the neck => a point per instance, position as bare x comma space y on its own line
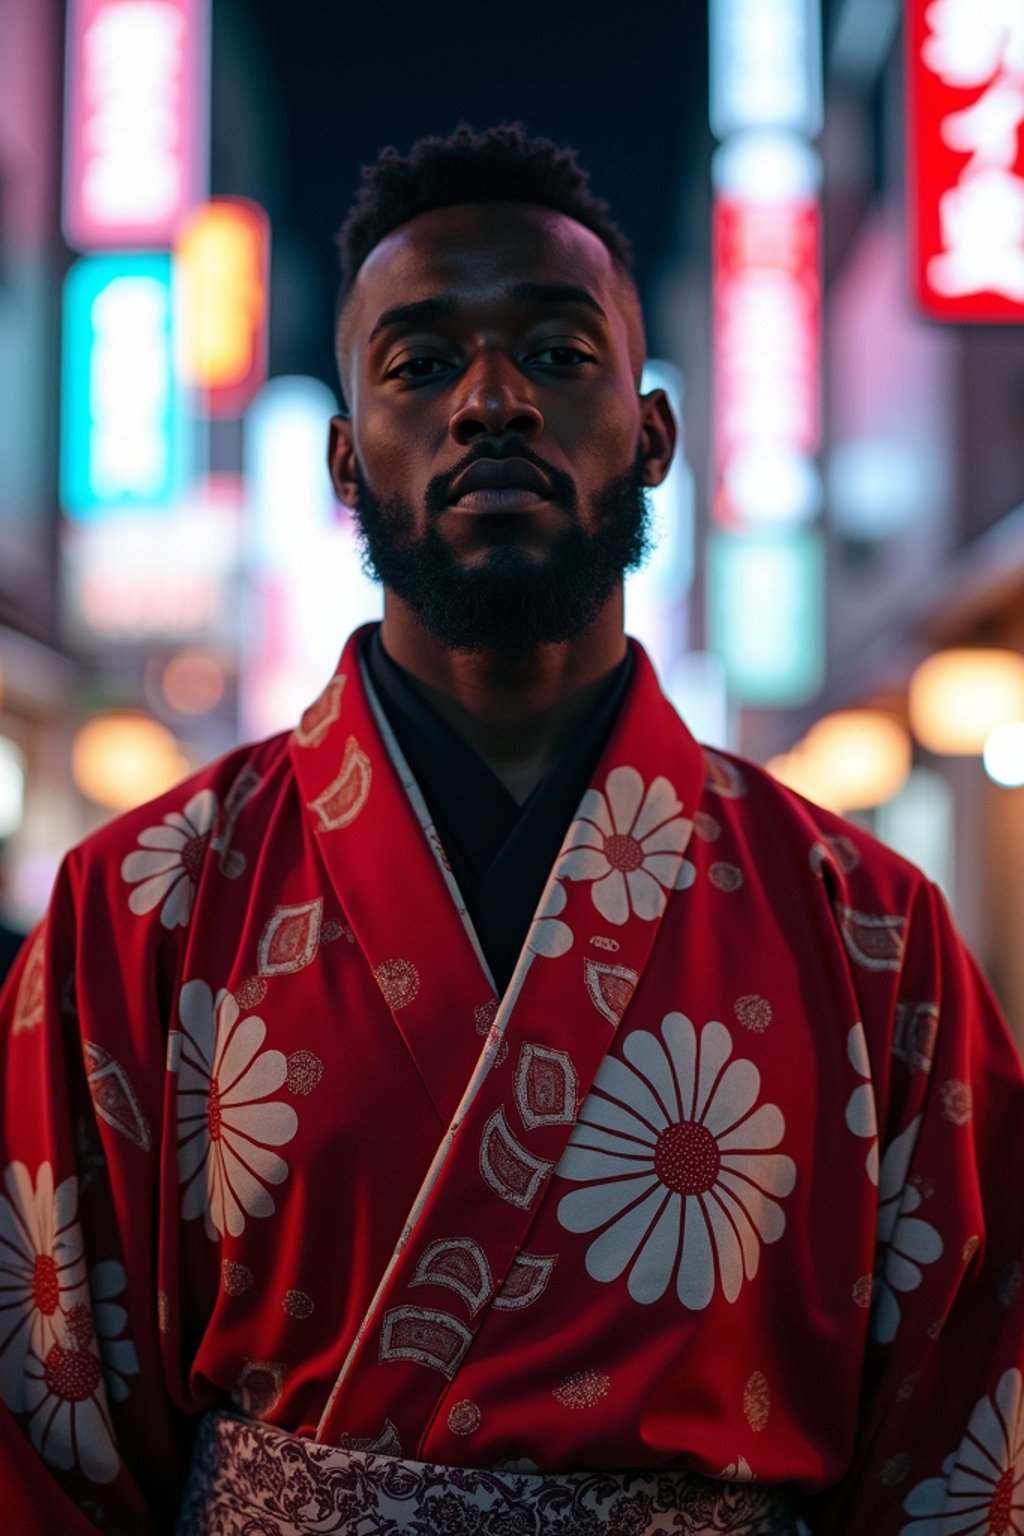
517, 714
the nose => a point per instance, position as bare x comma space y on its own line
492, 399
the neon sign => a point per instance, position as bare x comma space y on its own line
765, 66
221, 274
122, 422
766, 618
966, 157
766, 312
135, 120
765, 561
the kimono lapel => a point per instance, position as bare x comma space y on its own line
389, 870
461, 1250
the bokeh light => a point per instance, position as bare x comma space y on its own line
1003, 754
957, 697
854, 759
123, 758
193, 683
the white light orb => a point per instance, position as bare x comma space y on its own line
1003, 754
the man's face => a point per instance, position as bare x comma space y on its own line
498, 450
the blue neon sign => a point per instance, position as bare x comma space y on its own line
122, 430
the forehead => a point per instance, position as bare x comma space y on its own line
474, 251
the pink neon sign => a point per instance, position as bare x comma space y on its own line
766, 309
135, 120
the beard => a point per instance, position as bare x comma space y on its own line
510, 601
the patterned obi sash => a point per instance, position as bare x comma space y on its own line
250, 1479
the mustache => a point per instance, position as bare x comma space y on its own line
438, 492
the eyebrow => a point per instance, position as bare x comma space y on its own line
445, 306
557, 294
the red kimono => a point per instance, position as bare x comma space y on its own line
728, 1181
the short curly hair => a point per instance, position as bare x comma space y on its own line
502, 164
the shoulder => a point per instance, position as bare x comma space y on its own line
124, 898
181, 826
788, 836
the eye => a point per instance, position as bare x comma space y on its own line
417, 368
562, 355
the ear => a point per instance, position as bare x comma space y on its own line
658, 433
341, 460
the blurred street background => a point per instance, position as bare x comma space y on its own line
826, 201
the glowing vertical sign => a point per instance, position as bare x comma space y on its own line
765, 558
121, 436
222, 255
765, 66
966, 157
766, 619
135, 119
766, 310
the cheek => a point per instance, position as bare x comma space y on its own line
606, 430
391, 455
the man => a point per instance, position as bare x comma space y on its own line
482, 1109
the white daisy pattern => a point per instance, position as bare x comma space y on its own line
42, 1270
905, 1242
861, 1116
107, 1281
65, 1397
548, 935
166, 865
981, 1489
51, 1368
677, 1166
226, 1123
630, 842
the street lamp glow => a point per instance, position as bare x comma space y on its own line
1003, 754
957, 697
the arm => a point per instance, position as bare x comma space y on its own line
89, 1436
940, 1442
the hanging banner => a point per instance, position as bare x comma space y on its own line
965, 76
135, 120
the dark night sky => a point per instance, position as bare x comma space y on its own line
304, 93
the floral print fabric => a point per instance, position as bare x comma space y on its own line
981, 1489
42, 1270
164, 870
720, 1188
629, 842
674, 1147
60, 1347
226, 1126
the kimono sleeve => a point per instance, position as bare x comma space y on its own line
90, 1437
940, 1440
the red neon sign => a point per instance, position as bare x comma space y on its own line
965, 72
135, 120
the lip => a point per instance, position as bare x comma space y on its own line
488, 478
500, 498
